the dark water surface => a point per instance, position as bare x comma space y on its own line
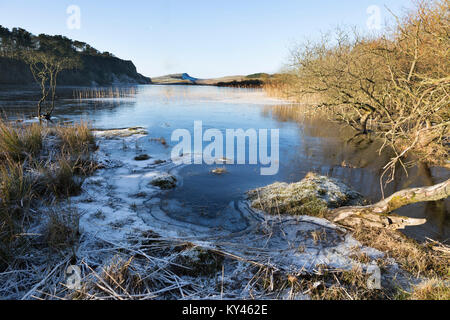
307, 143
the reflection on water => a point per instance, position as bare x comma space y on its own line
335, 151
308, 142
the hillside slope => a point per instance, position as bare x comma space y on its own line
96, 68
254, 81
95, 71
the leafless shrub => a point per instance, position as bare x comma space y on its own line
395, 85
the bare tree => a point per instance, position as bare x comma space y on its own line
396, 86
45, 68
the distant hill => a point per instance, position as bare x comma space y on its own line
97, 68
253, 80
177, 78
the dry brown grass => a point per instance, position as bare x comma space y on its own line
15, 185
20, 141
283, 86
37, 164
160, 140
434, 289
116, 281
61, 178
346, 285
75, 140
325, 284
319, 236
219, 171
419, 260
16, 194
9, 229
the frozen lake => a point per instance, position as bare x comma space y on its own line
306, 143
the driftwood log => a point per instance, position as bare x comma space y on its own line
378, 214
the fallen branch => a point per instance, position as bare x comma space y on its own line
378, 215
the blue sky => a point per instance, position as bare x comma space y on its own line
206, 38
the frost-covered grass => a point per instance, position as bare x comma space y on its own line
120, 232
62, 231
312, 196
162, 270
39, 164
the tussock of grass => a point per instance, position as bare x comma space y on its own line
165, 182
119, 275
62, 228
76, 140
117, 280
9, 228
37, 164
312, 196
16, 194
62, 179
18, 142
15, 186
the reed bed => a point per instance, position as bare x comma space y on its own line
278, 89
104, 93
284, 87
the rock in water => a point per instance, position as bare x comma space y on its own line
142, 157
313, 196
120, 133
165, 182
219, 171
